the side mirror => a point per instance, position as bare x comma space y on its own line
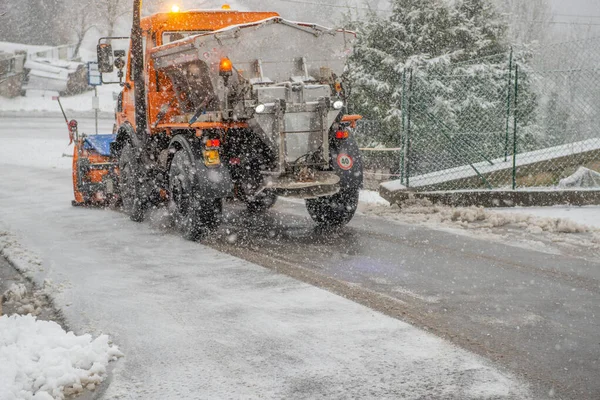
105, 53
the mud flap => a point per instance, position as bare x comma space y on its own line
347, 163
210, 183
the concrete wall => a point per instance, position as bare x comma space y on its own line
528, 175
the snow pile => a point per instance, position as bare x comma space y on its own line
16, 292
422, 210
582, 178
584, 215
492, 219
40, 361
372, 197
24, 302
25, 261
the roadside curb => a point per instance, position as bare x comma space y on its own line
496, 198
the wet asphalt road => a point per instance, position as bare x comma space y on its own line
535, 313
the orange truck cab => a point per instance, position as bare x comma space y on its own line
162, 29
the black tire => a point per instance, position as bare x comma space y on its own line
193, 217
131, 184
262, 202
336, 210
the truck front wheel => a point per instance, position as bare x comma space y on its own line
335, 210
131, 180
193, 216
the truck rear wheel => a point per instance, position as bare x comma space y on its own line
335, 210
193, 217
130, 184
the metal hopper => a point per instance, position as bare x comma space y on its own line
282, 83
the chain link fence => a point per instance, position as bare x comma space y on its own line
524, 119
381, 163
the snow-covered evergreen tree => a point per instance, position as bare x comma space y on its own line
459, 57
417, 33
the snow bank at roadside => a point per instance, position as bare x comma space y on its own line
585, 215
40, 361
422, 210
80, 102
543, 229
26, 301
372, 197
24, 260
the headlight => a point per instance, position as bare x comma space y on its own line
338, 104
260, 108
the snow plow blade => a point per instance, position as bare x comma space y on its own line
94, 171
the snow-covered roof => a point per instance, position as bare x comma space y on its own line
12, 47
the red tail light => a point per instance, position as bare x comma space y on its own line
213, 143
342, 135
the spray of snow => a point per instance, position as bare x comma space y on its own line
40, 361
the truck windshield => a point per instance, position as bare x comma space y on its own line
172, 36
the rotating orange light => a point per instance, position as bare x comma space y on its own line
226, 7
225, 67
175, 8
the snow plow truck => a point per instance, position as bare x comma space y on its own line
221, 104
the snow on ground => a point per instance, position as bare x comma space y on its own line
78, 103
31, 147
574, 230
24, 260
40, 361
12, 47
372, 197
586, 215
197, 323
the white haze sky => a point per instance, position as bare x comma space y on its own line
585, 7
321, 11
328, 12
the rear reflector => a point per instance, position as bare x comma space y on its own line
211, 158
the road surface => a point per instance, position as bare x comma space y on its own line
533, 313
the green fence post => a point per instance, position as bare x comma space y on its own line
403, 135
508, 90
408, 129
514, 166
